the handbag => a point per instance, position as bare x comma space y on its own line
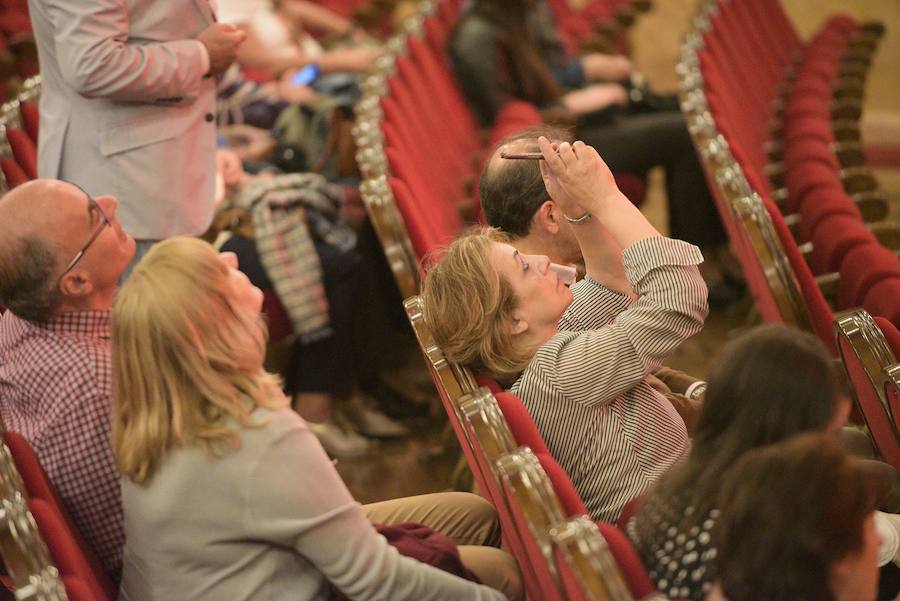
423, 544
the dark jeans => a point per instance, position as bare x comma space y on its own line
638, 142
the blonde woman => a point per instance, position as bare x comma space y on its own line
579, 357
227, 494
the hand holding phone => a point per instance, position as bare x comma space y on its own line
306, 75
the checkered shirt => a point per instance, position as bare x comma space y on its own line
55, 389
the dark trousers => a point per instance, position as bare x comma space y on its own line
638, 142
334, 365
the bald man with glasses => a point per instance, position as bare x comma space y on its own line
61, 255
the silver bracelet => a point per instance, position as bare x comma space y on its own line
578, 220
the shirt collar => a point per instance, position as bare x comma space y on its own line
93, 323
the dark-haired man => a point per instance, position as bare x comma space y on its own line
514, 200
61, 255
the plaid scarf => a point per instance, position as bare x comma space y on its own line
288, 210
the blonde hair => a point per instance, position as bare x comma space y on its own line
469, 307
185, 359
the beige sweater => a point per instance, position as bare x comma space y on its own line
270, 521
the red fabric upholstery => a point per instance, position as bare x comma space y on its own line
632, 185
66, 544
810, 150
562, 485
862, 268
513, 117
422, 232
883, 300
36, 482
630, 510
822, 203
801, 183
891, 334
279, 322
30, 119
633, 570
24, 149
833, 238
520, 423
77, 590
13, 172
491, 383
64, 549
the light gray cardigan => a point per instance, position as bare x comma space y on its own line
272, 520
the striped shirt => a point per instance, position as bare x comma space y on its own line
586, 387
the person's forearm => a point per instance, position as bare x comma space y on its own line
617, 218
603, 257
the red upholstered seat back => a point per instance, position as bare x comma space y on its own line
883, 301
13, 172
279, 322
633, 569
520, 423
24, 149
565, 490
71, 553
30, 119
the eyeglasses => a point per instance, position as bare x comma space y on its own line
93, 207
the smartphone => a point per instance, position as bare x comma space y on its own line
533, 156
306, 76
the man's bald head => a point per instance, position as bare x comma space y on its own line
513, 190
40, 223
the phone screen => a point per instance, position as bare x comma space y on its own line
306, 75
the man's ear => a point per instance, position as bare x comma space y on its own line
75, 285
548, 217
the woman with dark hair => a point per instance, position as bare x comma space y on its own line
798, 522
768, 385
509, 49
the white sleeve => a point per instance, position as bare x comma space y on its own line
888, 527
311, 510
99, 59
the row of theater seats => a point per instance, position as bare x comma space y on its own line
783, 159
598, 25
44, 555
562, 553
420, 149
19, 136
420, 152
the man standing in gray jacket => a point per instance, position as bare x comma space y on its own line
128, 106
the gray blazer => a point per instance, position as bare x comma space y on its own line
125, 109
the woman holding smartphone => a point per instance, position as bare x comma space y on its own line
504, 50
579, 357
